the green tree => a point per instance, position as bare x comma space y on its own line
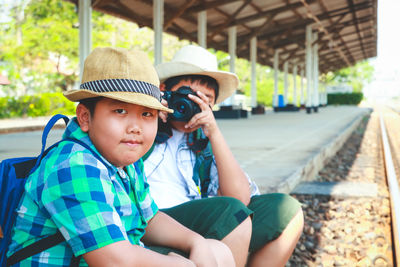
44, 56
356, 76
39, 50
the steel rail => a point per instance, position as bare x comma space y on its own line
394, 192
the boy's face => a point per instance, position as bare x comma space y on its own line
196, 86
121, 132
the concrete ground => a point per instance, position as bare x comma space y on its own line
277, 150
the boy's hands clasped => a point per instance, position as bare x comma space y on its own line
205, 119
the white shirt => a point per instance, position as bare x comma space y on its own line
169, 172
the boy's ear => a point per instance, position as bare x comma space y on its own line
162, 87
83, 116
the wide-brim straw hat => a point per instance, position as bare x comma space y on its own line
195, 60
120, 74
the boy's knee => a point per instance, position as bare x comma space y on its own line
245, 228
222, 253
242, 232
298, 220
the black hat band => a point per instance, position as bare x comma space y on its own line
122, 85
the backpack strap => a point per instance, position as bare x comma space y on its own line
35, 248
46, 131
40, 246
50, 125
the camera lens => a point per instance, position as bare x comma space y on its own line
181, 108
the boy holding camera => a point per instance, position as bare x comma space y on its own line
191, 161
91, 187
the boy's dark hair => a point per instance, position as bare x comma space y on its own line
90, 103
202, 79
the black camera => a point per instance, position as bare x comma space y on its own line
184, 108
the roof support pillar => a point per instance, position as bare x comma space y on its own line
202, 28
85, 32
232, 60
276, 70
232, 48
309, 68
315, 72
295, 85
285, 82
325, 96
158, 21
253, 58
302, 87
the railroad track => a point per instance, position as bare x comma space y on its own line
390, 128
355, 230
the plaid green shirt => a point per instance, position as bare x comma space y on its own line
91, 203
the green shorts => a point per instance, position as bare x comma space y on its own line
216, 217
272, 214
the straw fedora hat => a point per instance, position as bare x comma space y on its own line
121, 74
192, 59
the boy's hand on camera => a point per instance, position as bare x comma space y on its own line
205, 119
163, 114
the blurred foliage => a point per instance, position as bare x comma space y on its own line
357, 76
39, 49
45, 104
345, 98
39, 53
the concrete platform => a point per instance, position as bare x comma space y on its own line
278, 150
337, 189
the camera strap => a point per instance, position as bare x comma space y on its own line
199, 143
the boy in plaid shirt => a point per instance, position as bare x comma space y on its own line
96, 194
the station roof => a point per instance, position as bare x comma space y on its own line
347, 29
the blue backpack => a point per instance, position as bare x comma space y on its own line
13, 175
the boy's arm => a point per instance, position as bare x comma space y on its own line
232, 179
124, 253
163, 230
